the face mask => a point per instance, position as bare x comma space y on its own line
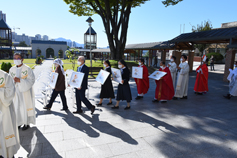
17, 62
55, 65
181, 59
120, 66
79, 63
139, 63
171, 60
105, 65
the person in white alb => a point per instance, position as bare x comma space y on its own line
9, 136
173, 69
182, 79
233, 82
24, 100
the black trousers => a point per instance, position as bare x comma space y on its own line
212, 66
80, 97
53, 97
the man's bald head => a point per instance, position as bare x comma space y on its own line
81, 59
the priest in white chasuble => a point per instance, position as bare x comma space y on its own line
9, 136
24, 100
182, 79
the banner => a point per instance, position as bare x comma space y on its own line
53, 80
137, 72
117, 75
102, 76
157, 75
76, 79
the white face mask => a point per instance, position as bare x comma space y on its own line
55, 65
139, 63
120, 66
105, 65
79, 63
17, 62
171, 60
181, 59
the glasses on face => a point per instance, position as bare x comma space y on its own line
17, 59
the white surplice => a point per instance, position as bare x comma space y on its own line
173, 71
233, 82
182, 81
10, 143
24, 100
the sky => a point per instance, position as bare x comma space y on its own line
151, 22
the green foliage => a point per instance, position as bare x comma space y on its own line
6, 66
217, 56
171, 2
205, 26
72, 56
147, 54
22, 44
42, 57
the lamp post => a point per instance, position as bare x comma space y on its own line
90, 20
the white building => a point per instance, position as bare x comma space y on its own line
45, 38
38, 37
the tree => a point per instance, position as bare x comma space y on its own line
72, 56
22, 44
115, 16
205, 26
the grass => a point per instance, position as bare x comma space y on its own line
29, 62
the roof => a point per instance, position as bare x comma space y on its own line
220, 35
3, 25
153, 45
92, 31
48, 42
101, 50
15, 48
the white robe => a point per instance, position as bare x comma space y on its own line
182, 81
24, 100
233, 82
10, 143
173, 71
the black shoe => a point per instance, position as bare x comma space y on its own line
47, 108
228, 96
175, 98
184, 97
77, 112
163, 101
64, 109
92, 109
199, 93
127, 107
19, 127
99, 104
139, 97
110, 103
155, 101
25, 127
115, 107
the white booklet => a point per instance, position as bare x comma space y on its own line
157, 75
76, 79
117, 75
102, 76
137, 72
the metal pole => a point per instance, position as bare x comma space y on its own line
90, 45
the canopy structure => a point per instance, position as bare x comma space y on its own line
5, 39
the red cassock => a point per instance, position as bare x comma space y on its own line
143, 84
164, 86
201, 84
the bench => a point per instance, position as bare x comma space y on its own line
94, 70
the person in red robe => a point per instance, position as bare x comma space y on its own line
164, 86
142, 84
201, 84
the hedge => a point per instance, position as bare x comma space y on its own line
217, 56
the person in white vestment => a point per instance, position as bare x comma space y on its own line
24, 100
182, 79
173, 69
233, 82
9, 136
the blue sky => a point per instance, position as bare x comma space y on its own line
152, 22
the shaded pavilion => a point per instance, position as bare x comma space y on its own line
220, 35
5, 40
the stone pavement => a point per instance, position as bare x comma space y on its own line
201, 126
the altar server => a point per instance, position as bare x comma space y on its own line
164, 86
201, 84
107, 90
24, 100
124, 91
182, 79
173, 69
142, 84
233, 82
9, 136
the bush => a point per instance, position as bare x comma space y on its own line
9, 65
6, 66
3, 66
217, 56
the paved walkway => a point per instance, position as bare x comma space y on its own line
201, 126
